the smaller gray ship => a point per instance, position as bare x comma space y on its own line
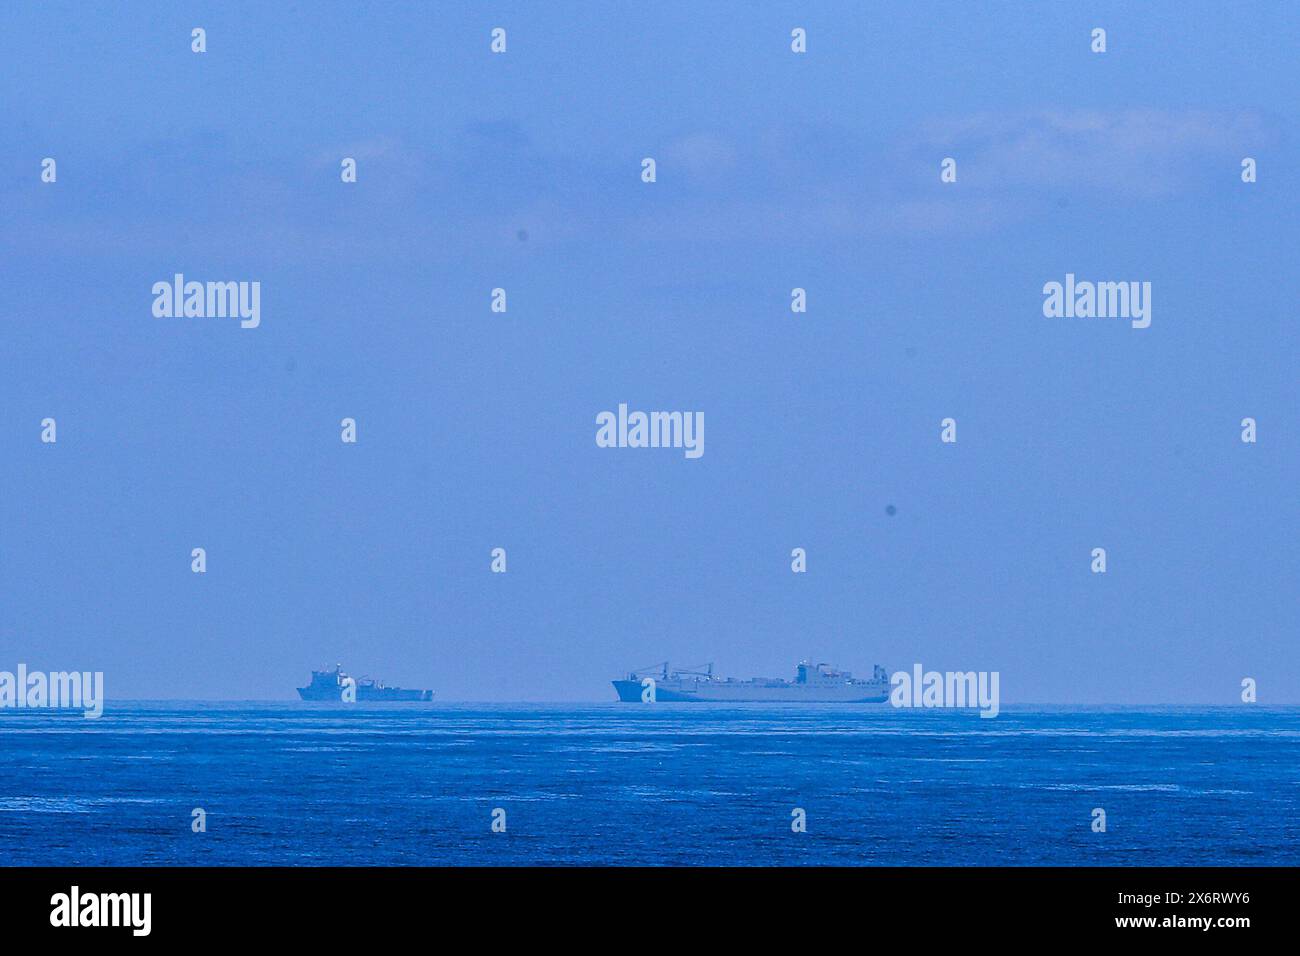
334, 685
813, 684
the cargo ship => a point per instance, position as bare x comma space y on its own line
813, 684
330, 685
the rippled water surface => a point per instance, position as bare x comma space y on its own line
290, 783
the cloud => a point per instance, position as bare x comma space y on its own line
1132, 153
483, 185
702, 155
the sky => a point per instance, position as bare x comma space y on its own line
476, 430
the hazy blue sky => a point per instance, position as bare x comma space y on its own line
477, 430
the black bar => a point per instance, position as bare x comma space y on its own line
368, 906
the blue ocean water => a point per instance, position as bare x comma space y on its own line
292, 783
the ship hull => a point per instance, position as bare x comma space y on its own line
366, 694
743, 692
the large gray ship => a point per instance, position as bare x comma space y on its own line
813, 684
331, 684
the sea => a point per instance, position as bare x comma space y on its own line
303, 784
